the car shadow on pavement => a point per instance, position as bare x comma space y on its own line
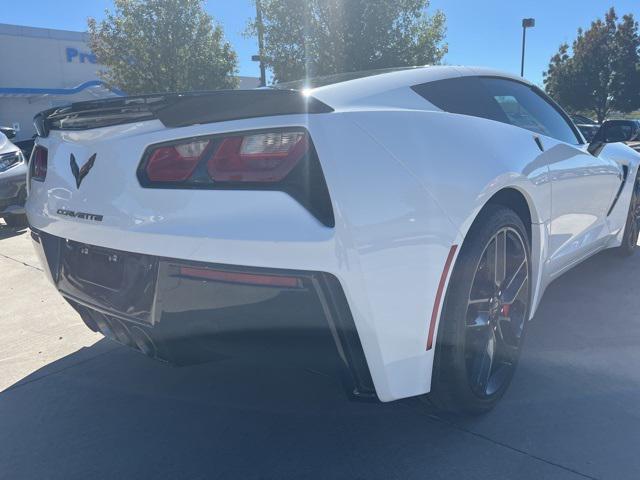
8, 232
571, 412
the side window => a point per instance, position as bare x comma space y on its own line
527, 109
518, 115
502, 100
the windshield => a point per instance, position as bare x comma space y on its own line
582, 120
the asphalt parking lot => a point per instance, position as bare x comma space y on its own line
73, 405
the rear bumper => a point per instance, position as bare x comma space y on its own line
185, 312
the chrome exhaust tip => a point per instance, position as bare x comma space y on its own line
103, 326
120, 332
142, 341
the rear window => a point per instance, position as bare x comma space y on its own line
464, 95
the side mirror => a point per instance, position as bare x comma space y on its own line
613, 131
8, 132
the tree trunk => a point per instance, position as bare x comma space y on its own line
602, 110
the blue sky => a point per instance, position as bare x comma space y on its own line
486, 33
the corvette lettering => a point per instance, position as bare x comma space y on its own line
81, 215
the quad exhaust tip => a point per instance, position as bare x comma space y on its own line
134, 336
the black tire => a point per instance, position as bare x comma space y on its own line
632, 227
456, 382
16, 221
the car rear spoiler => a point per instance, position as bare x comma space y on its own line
177, 109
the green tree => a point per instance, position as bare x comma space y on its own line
153, 46
602, 71
306, 38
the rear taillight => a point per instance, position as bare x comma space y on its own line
281, 159
175, 163
262, 157
39, 160
255, 157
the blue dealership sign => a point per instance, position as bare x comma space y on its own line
82, 57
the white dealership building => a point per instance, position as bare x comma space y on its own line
42, 68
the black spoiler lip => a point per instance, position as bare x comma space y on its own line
178, 109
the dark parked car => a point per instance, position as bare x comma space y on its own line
635, 141
587, 127
13, 176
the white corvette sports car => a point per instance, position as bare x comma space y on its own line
422, 212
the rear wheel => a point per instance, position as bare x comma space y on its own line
16, 221
484, 315
632, 227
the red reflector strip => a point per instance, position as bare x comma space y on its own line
436, 303
244, 278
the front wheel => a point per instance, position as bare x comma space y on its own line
632, 225
484, 314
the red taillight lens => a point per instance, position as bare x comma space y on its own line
175, 163
39, 161
257, 157
261, 157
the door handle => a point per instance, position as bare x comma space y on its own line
538, 143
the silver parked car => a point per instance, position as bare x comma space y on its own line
13, 175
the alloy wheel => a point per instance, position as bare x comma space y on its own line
497, 310
633, 222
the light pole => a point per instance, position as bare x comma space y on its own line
526, 23
260, 56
